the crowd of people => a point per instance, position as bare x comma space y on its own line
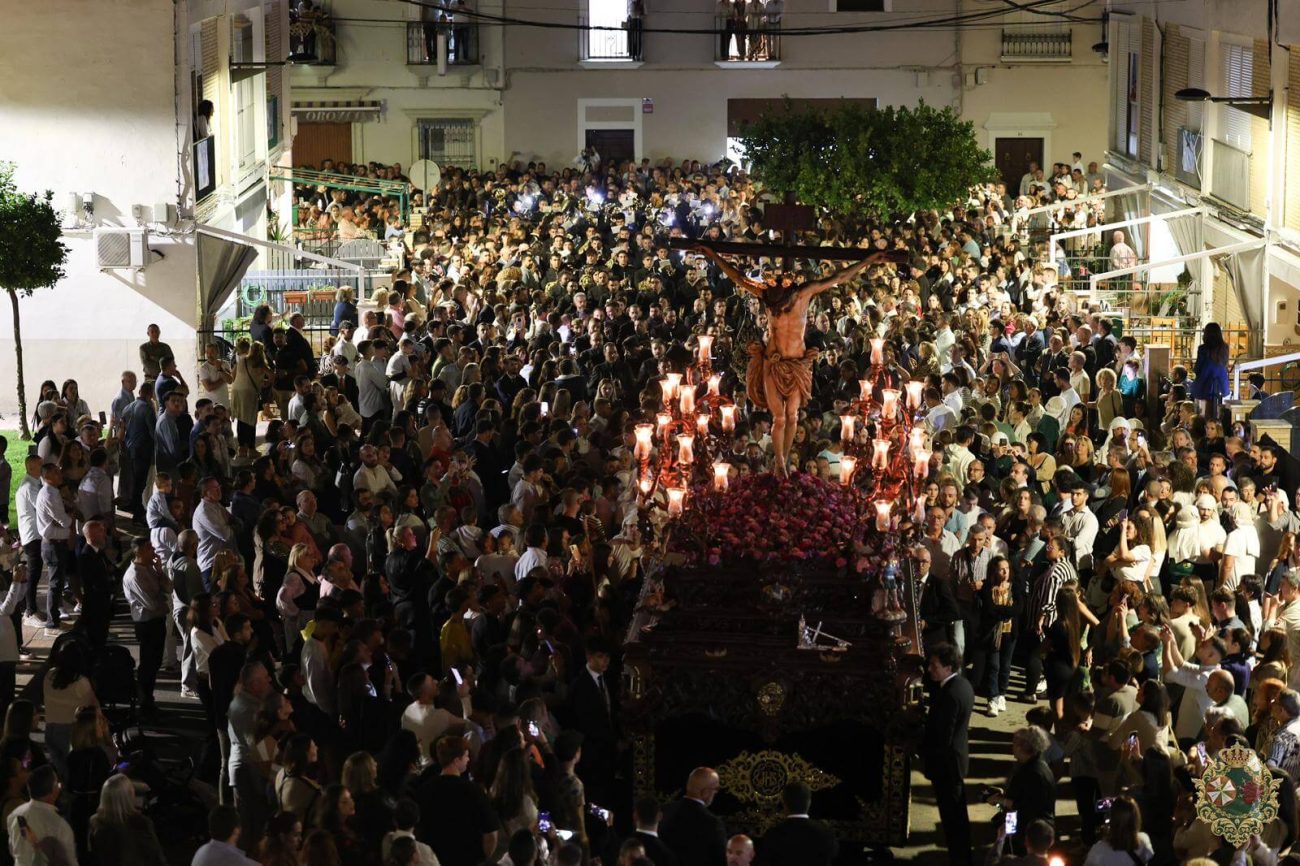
396, 572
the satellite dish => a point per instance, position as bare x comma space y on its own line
425, 174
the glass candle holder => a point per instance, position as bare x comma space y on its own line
847, 465
721, 471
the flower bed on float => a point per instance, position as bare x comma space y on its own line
765, 518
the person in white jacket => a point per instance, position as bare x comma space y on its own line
9, 638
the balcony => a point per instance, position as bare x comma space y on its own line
751, 45
608, 42
311, 39
422, 43
1023, 45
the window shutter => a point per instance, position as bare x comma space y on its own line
1238, 64
1195, 78
208, 37
1146, 127
1119, 88
1292, 217
274, 52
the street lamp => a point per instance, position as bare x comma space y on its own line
1260, 106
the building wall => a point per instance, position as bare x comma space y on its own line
1063, 103
98, 119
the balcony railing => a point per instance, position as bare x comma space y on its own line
603, 43
422, 43
1036, 46
754, 41
205, 167
311, 40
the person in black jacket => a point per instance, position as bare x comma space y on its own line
945, 748
694, 834
594, 708
96, 572
998, 605
937, 608
646, 814
1031, 788
798, 840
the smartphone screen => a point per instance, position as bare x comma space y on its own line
565, 835
1011, 822
533, 730
1132, 740
1104, 804
544, 822
455, 674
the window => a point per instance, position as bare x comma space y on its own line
861, 5
246, 120
606, 39
1238, 65
448, 141
1126, 93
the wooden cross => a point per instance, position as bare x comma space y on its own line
789, 219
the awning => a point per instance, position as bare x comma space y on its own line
338, 112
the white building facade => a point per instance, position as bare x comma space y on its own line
98, 104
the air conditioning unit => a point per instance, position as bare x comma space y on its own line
121, 248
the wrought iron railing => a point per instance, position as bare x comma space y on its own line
312, 40
756, 40
422, 43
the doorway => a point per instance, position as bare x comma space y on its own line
1012, 157
317, 142
613, 145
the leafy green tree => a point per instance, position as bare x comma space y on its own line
858, 162
31, 257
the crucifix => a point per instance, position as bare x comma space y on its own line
779, 378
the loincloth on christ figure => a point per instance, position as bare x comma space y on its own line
790, 376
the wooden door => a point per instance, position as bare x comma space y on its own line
317, 142
1012, 157
613, 145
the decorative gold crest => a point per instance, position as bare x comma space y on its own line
759, 777
771, 698
1236, 795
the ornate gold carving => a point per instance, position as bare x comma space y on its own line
771, 698
1236, 795
758, 777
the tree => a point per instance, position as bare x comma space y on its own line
861, 162
32, 256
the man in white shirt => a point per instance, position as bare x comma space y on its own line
215, 376
212, 524
1080, 526
372, 383
535, 555
370, 475
29, 535
1121, 254
940, 415
399, 369
55, 526
427, 721
44, 824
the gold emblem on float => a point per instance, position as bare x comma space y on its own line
759, 777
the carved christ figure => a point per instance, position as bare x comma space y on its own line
780, 374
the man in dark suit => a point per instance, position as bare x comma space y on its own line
96, 571
646, 815
594, 709
798, 840
937, 608
296, 357
694, 834
945, 748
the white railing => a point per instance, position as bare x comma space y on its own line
1246, 366
1102, 229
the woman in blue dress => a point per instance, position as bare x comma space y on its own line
1211, 370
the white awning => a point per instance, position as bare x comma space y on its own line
352, 111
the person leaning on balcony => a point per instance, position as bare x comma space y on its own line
203, 119
723, 15
772, 13
755, 24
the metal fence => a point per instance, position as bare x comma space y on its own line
422, 43
750, 42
